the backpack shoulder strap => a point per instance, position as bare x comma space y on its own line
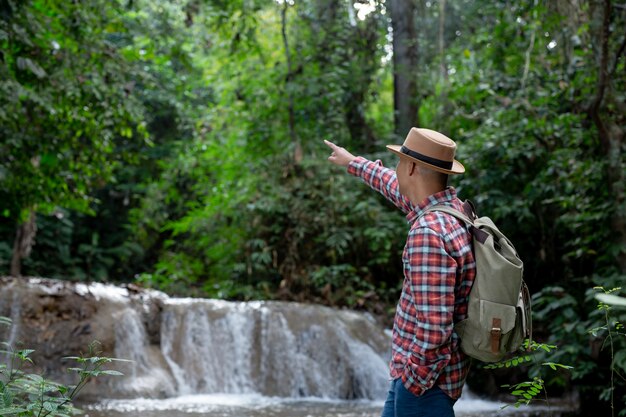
467, 216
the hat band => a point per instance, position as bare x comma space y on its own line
432, 161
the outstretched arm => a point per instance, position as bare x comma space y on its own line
373, 174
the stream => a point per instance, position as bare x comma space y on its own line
219, 405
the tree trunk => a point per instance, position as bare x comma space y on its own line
24, 240
443, 68
364, 41
610, 123
405, 62
446, 108
297, 146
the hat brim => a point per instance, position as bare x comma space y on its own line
457, 167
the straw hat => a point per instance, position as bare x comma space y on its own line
431, 149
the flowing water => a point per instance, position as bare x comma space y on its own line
198, 357
219, 405
251, 405
284, 350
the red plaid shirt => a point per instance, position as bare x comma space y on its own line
439, 270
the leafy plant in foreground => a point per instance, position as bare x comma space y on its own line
528, 391
613, 329
25, 394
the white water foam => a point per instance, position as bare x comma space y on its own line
143, 372
189, 403
254, 404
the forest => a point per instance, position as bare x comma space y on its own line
178, 145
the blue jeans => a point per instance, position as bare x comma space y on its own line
402, 403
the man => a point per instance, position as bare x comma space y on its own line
428, 369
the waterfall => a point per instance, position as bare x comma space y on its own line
145, 372
274, 349
182, 346
15, 319
13, 331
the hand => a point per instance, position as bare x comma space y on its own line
339, 156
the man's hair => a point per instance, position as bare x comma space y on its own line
434, 176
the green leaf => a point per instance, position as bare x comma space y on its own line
35, 378
113, 373
24, 353
11, 411
7, 398
611, 299
49, 406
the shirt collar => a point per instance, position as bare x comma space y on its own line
445, 196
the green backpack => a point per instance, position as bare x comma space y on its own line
499, 311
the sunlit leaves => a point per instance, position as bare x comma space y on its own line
62, 105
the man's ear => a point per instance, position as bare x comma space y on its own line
413, 166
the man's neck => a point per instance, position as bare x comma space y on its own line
421, 191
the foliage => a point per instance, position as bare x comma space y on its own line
527, 391
211, 87
66, 114
531, 156
26, 394
323, 225
615, 335
225, 235
593, 339
608, 332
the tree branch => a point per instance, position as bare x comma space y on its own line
527, 60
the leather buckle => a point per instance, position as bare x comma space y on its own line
496, 333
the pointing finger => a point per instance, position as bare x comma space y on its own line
330, 144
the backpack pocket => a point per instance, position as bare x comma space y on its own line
483, 340
497, 322
490, 311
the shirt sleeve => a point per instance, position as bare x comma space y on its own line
380, 179
432, 276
